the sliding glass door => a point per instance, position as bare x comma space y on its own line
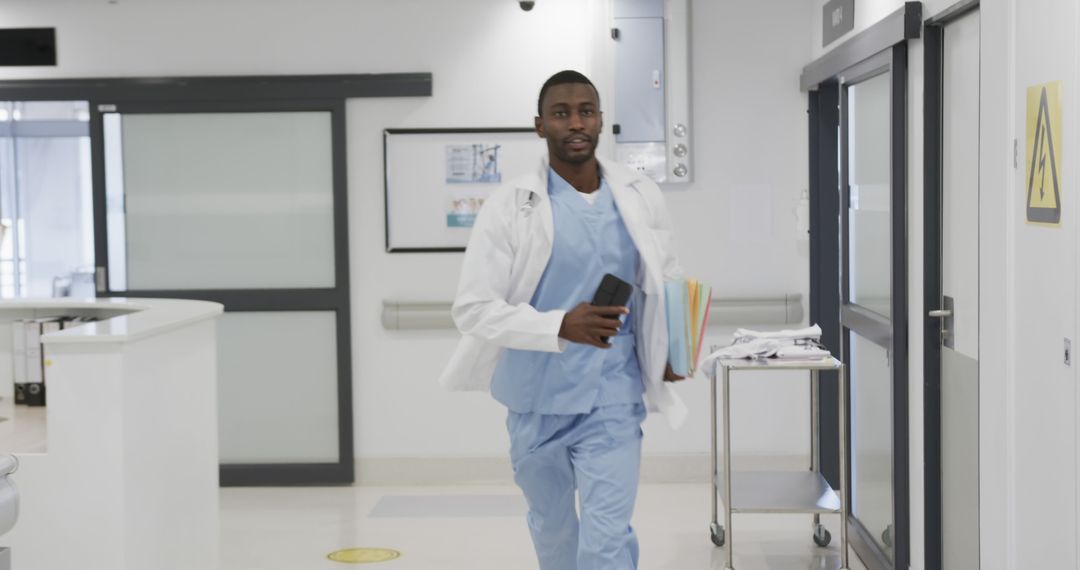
243, 204
874, 307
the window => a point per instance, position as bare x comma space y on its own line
46, 204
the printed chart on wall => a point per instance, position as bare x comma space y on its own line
469, 167
438, 179
1043, 156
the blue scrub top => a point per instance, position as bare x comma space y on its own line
590, 240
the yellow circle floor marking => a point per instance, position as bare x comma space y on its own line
363, 555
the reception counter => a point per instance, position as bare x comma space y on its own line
129, 476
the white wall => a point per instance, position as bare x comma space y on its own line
489, 59
995, 210
735, 223
1041, 490
1029, 480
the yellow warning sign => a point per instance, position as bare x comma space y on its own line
1044, 152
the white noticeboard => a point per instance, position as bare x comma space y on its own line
437, 180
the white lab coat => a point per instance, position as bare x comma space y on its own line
506, 256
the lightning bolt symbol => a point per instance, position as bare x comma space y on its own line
1042, 172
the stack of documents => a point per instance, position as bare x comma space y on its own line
687, 316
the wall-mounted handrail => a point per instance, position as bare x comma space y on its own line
732, 312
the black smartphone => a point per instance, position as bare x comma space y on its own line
612, 292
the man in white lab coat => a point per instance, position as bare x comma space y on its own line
538, 250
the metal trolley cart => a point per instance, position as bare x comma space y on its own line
778, 491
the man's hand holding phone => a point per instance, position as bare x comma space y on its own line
592, 325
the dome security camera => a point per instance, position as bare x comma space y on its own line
527, 4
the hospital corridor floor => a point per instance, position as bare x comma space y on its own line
483, 528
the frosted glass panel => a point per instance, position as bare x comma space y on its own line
228, 200
277, 386
869, 226
871, 439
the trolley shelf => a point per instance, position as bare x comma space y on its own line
780, 492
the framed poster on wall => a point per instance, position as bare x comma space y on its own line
436, 180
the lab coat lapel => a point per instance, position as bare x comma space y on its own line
534, 201
628, 201
547, 222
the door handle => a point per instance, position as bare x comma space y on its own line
945, 313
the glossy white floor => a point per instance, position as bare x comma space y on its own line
465, 527
22, 428
481, 528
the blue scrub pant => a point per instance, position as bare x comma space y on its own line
597, 454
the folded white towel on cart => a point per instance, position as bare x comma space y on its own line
812, 332
786, 344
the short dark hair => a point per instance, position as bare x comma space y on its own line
562, 78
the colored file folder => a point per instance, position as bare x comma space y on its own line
687, 302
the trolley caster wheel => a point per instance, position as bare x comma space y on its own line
717, 534
823, 537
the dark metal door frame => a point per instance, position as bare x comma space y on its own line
825, 261
933, 126
334, 298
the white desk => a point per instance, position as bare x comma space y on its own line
129, 478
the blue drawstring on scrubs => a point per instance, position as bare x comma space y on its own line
575, 417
